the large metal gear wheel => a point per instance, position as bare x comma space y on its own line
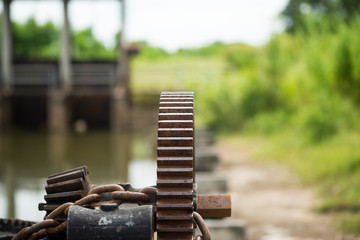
175, 166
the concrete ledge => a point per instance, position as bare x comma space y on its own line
229, 229
204, 138
206, 160
210, 183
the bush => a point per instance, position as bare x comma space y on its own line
34, 41
86, 47
269, 122
210, 50
312, 76
228, 105
240, 56
326, 117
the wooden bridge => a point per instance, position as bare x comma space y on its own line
45, 74
54, 94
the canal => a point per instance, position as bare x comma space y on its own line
27, 157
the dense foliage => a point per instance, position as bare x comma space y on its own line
35, 41
310, 79
86, 47
302, 90
299, 92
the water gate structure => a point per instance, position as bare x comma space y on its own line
54, 94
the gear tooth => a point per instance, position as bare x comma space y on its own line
175, 166
176, 116
10, 227
67, 186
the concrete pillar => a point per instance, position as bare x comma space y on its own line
120, 155
58, 111
10, 183
8, 174
57, 98
65, 53
57, 152
121, 96
6, 55
120, 113
123, 61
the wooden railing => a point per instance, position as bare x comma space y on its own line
46, 74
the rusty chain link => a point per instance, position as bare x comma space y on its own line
202, 227
50, 226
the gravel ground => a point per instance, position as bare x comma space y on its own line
270, 199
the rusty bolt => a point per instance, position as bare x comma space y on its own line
214, 206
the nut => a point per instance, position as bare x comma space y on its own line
214, 206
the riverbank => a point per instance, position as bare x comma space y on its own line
270, 197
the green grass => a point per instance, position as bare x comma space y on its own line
174, 73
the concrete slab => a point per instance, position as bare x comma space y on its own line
209, 182
229, 229
206, 160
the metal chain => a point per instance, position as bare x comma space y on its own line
202, 227
50, 226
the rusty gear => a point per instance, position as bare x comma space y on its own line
175, 166
68, 186
10, 227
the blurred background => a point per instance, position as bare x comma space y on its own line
278, 82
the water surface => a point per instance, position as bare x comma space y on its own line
27, 158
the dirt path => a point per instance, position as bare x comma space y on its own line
270, 199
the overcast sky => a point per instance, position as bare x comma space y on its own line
166, 23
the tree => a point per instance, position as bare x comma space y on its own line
34, 41
295, 9
86, 47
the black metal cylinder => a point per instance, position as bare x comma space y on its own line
110, 223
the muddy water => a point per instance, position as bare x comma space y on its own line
27, 158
